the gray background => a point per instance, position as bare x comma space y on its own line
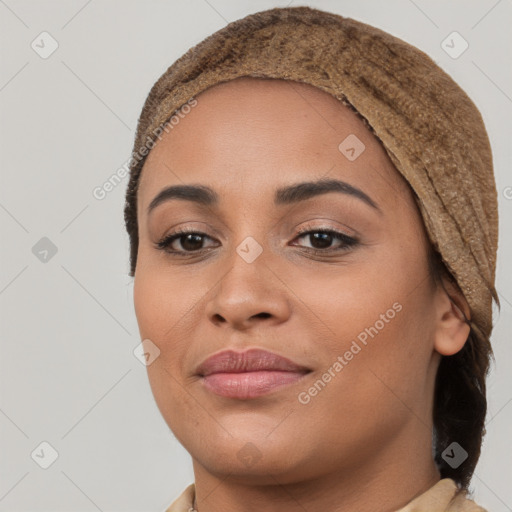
68, 329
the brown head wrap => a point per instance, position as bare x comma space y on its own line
429, 127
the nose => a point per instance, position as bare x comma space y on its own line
248, 295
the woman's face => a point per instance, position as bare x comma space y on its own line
356, 312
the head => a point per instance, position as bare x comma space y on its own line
347, 269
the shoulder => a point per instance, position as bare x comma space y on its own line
444, 496
462, 503
184, 502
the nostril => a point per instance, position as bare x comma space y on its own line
219, 318
263, 315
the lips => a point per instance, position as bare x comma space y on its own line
248, 374
229, 361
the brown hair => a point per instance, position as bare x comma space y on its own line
460, 402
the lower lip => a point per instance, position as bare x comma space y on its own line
249, 384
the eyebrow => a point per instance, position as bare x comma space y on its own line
291, 194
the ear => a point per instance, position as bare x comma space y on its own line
452, 329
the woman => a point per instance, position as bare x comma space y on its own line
313, 224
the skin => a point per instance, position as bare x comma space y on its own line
362, 443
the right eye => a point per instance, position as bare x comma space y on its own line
189, 240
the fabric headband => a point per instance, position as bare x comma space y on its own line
429, 127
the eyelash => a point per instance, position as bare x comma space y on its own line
348, 242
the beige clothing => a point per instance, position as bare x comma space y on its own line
439, 498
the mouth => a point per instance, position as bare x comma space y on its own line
249, 374
245, 385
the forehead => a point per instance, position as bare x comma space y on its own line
260, 133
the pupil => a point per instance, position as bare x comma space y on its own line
322, 238
188, 240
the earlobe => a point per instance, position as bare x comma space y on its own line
452, 330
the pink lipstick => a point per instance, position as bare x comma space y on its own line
248, 374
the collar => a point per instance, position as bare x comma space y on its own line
441, 497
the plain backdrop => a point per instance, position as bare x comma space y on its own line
68, 375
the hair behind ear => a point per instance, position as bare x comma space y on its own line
460, 403
460, 407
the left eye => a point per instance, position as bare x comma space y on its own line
322, 239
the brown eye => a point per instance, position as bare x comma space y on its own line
322, 239
190, 242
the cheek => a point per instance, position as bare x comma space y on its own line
341, 303
375, 372
161, 306
147, 297
159, 300
169, 306
376, 315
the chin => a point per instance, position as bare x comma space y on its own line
249, 466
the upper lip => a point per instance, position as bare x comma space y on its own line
231, 361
